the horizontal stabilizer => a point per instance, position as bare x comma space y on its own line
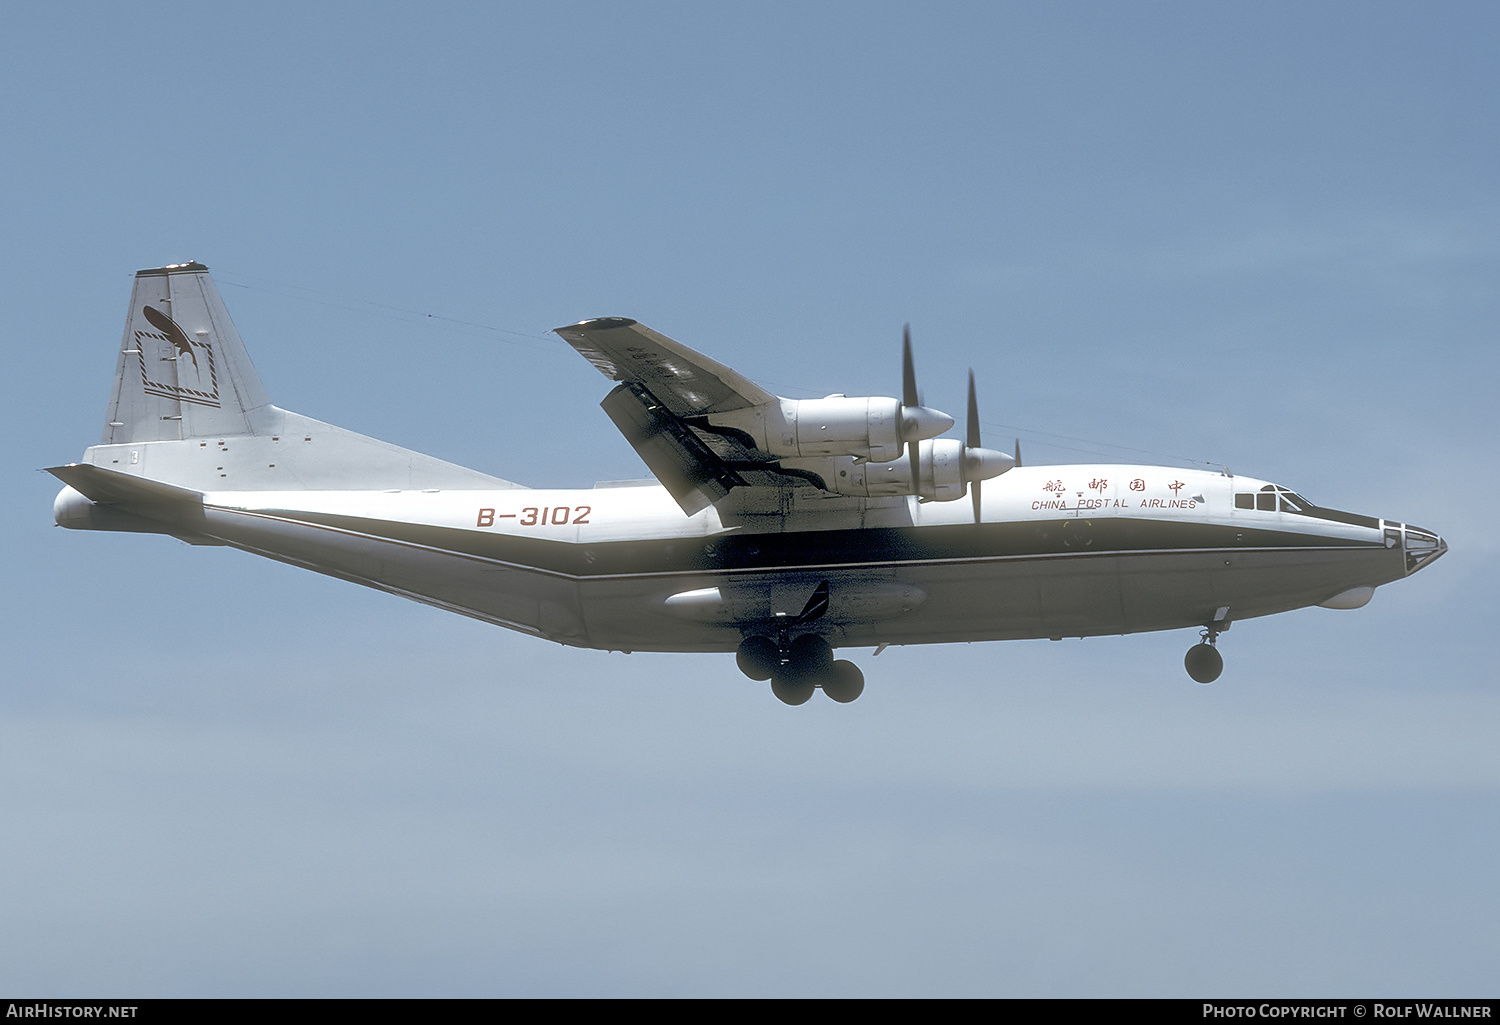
111, 487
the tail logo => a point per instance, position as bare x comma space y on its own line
181, 345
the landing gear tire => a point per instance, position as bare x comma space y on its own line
844, 682
758, 658
809, 657
809, 662
794, 690
806, 665
1204, 663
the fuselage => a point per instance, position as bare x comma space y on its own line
780, 529
1060, 551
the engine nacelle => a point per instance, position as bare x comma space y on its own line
941, 470
945, 468
866, 428
875, 429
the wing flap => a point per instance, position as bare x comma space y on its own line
686, 467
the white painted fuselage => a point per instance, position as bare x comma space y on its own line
1061, 551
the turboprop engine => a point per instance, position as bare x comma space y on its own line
865, 437
940, 470
868, 429
945, 469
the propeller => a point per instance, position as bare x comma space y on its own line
917, 421
966, 464
980, 463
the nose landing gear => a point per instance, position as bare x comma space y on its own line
799, 668
1203, 661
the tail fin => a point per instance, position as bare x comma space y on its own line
185, 389
183, 371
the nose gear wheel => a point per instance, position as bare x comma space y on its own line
1203, 661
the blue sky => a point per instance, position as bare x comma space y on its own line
1259, 235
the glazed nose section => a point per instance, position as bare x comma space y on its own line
1422, 547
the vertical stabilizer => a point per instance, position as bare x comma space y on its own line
189, 410
183, 371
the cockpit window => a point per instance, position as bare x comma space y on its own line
1273, 497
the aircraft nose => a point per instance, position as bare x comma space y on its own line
1422, 547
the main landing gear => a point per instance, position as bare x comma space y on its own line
799, 668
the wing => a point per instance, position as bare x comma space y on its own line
666, 394
685, 382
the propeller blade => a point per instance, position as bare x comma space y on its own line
910, 400
909, 395
918, 423
1018, 451
971, 440
980, 463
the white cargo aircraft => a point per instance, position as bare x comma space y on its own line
780, 528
